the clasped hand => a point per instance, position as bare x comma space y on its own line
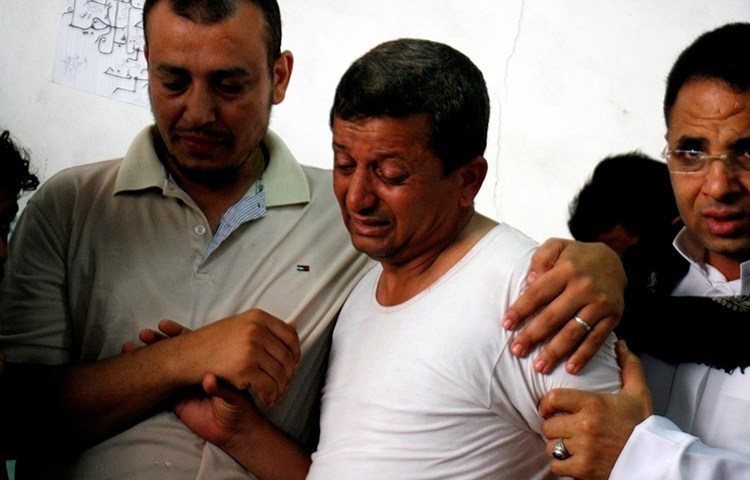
251, 350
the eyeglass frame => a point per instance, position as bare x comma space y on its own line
731, 161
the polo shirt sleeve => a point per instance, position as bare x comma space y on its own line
34, 320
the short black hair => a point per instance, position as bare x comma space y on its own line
213, 11
414, 76
719, 54
629, 189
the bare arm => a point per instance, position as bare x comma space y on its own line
568, 278
94, 401
228, 418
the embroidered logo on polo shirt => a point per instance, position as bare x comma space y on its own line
303, 268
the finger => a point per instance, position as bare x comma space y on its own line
533, 298
561, 400
633, 376
273, 365
171, 328
266, 388
281, 343
546, 256
536, 295
554, 323
573, 338
217, 388
580, 297
287, 334
558, 299
562, 344
279, 362
210, 385
575, 466
591, 344
535, 331
128, 347
149, 336
558, 426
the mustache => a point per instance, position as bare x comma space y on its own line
202, 132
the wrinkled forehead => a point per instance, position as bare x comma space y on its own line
710, 112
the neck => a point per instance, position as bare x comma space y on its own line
401, 282
213, 198
729, 267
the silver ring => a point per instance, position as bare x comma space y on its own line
559, 451
583, 324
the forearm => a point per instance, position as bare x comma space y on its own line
268, 453
72, 407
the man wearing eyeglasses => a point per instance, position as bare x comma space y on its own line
688, 307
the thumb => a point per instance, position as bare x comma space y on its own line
217, 388
545, 257
633, 377
559, 400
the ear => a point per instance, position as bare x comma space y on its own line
470, 178
282, 72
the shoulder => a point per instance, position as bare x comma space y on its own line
82, 181
505, 252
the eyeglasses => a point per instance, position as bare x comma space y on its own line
695, 162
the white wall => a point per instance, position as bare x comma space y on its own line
571, 81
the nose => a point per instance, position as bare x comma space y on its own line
360, 195
200, 106
720, 183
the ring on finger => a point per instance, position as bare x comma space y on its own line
559, 451
582, 323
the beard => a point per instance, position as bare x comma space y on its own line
213, 178
205, 173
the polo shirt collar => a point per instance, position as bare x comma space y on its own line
284, 180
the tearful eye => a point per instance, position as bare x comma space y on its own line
343, 168
230, 88
394, 180
391, 174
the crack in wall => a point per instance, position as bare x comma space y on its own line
502, 99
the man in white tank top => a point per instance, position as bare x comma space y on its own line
421, 382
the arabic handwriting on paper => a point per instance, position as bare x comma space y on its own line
100, 49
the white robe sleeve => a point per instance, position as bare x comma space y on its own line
658, 449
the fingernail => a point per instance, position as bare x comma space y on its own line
572, 367
509, 320
531, 277
517, 350
540, 365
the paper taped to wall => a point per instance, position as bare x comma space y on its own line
100, 49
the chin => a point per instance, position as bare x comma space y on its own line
729, 248
371, 251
